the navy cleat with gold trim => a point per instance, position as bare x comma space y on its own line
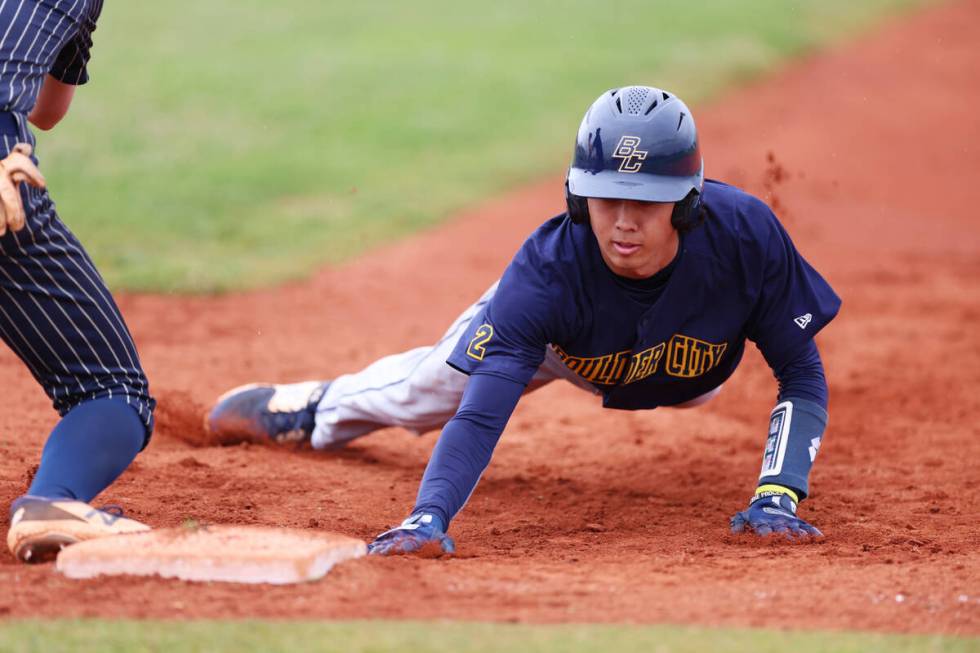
41, 527
261, 412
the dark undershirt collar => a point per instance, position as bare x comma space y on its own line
648, 290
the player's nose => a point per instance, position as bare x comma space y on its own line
626, 215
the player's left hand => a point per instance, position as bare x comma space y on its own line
15, 168
773, 513
414, 533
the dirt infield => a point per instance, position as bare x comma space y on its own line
588, 515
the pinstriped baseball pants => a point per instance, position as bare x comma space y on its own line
56, 313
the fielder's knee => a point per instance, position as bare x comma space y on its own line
138, 400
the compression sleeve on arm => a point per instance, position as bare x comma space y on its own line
803, 377
797, 423
467, 442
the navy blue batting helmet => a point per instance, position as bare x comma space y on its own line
637, 143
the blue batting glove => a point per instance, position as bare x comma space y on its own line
773, 510
414, 533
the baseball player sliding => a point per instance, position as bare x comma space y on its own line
56, 313
643, 292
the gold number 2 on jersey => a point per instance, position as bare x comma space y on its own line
477, 348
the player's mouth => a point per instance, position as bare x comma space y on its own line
625, 249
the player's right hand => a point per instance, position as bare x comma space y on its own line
773, 513
418, 531
15, 168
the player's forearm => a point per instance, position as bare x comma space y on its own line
457, 463
797, 423
796, 428
52, 103
803, 377
466, 445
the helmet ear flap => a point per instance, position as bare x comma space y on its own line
578, 207
688, 214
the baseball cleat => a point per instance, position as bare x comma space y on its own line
262, 412
41, 527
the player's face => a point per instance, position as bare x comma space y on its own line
636, 238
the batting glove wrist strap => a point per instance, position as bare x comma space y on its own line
772, 490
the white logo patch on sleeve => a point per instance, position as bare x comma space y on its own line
803, 320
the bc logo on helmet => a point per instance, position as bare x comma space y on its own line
632, 158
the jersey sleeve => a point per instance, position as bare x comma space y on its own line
508, 338
71, 64
794, 301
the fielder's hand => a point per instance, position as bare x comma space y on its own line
414, 533
773, 511
17, 167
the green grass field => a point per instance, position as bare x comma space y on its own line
235, 143
423, 637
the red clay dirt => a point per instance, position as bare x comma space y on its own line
588, 515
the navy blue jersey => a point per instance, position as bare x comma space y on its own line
736, 277
41, 37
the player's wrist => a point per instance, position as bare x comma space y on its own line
430, 518
773, 510
767, 490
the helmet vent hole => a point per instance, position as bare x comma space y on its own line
619, 105
666, 95
636, 100
650, 108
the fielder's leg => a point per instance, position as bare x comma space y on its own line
57, 315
